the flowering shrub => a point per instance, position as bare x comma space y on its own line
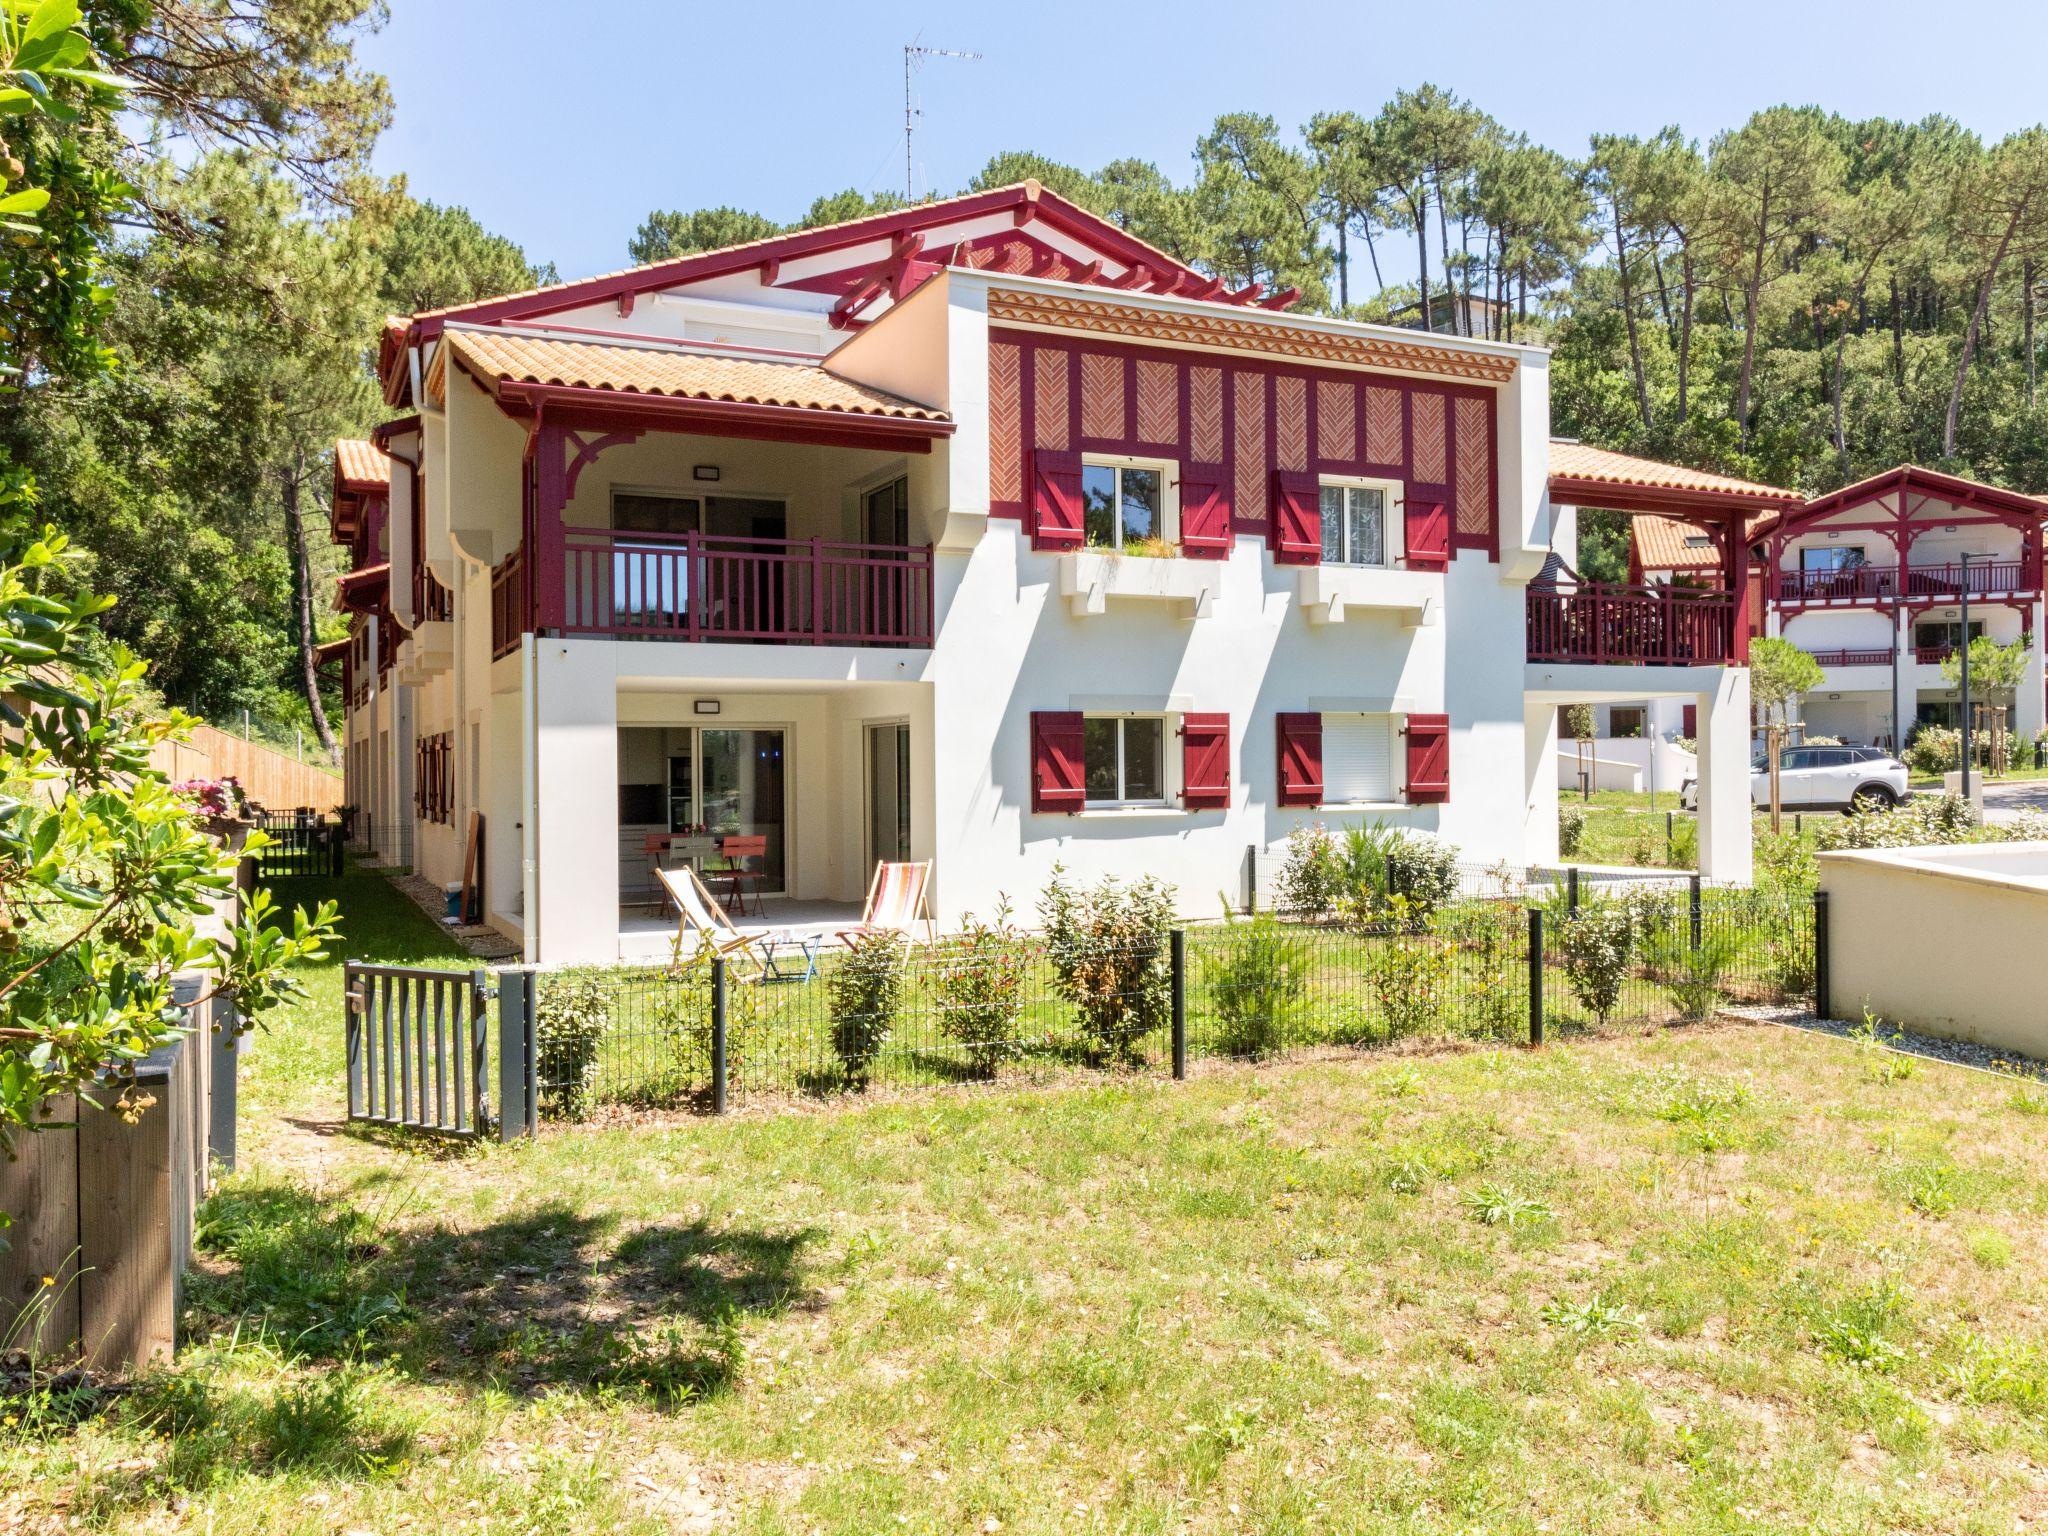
1312, 880
1594, 948
223, 797
1936, 750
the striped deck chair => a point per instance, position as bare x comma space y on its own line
760, 954
899, 898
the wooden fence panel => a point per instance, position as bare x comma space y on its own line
271, 778
39, 1189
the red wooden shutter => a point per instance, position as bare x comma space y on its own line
1690, 729
1428, 535
1296, 526
1301, 758
1429, 758
1056, 782
1205, 512
1055, 500
1205, 762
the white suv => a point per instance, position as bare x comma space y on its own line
1822, 779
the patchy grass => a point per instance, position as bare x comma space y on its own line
1690, 1281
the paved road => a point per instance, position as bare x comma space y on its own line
2004, 802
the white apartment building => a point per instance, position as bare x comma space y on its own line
978, 532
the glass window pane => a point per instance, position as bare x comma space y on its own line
1098, 758
1333, 524
1368, 526
1098, 504
1144, 760
1141, 504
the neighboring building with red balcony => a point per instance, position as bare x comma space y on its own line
1870, 579
978, 532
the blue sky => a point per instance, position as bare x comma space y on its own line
563, 133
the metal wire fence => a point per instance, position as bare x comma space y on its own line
1546, 960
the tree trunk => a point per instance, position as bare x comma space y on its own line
1443, 244
1343, 265
1753, 290
1975, 329
1898, 340
1841, 345
1663, 292
1685, 333
302, 607
1421, 215
2027, 326
1628, 311
1373, 251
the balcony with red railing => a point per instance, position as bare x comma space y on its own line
696, 587
1878, 657
1887, 583
1934, 655
432, 603
509, 606
1612, 625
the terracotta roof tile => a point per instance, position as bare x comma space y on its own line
674, 373
1667, 544
361, 465
1581, 461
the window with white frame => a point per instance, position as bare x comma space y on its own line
1124, 505
1355, 523
1123, 760
1358, 759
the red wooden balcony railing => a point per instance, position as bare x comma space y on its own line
1881, 583
1631, 626
509, 606
1932, 655
707, 587
1864, 658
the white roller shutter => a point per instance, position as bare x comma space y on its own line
1358, 758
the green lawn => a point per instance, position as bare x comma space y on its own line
1710, 1280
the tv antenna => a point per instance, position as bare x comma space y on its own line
914, 54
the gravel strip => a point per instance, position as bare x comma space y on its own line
1961, 1053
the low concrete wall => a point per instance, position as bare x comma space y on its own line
1936, 946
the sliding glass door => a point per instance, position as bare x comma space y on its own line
888, 793
731, 783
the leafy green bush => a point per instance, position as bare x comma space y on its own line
1934, 751
1312, 879
864, 991
1571, 829
1692, 976
1917, 823
1411, 976
1256, 979
977, 980
1108, 948
1594, 948
1685, 843
1383, 865
570, 1019
1785, 866
682, 1022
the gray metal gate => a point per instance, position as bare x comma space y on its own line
419, 1045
